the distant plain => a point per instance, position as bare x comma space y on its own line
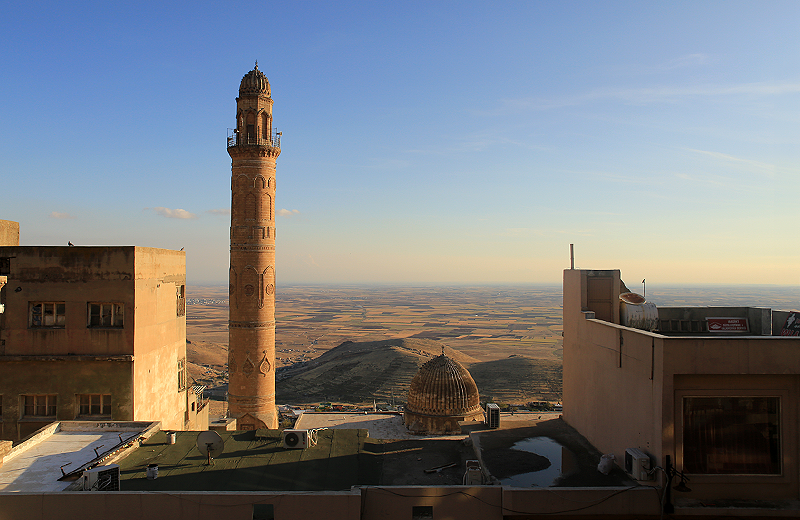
486, 323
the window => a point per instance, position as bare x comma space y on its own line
731, 435
181, 373
5, 266
39, 405
106, 314
94, 404
47, 314
181, 297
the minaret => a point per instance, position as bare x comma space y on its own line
253, 147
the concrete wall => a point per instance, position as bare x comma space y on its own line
75, 276
386, 503
758, 318
9, 233
612, 378
67, 378
160, 338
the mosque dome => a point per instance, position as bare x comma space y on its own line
254, 82
441, 394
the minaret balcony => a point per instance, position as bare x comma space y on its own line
236, 138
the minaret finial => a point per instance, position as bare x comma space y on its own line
443, 350
256, 64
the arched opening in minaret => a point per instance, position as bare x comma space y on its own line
251, 127
265, 126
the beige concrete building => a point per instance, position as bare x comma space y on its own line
254, 147
93, 333
713, 390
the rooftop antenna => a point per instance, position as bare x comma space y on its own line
572, 256
210, 444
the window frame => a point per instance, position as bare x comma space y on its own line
722, 445
116, 315
103, 405
182, 384
59, 320
50, 404
741, 388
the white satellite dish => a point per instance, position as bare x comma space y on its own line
210, 444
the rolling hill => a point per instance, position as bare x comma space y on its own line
358, 372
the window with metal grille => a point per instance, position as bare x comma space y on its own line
106, 315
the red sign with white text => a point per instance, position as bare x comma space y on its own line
727, 325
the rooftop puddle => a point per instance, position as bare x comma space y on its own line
561, 462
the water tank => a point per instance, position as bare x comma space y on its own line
636, 312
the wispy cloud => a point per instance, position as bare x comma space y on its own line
173, 213
61, 216
689, 60
531, 232
647, 95
220, 211
287, 213
750, 164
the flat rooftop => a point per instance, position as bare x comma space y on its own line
34, 466
380, 425
346, 457
255, 461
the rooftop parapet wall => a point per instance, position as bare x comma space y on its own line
9, 233
54, 264
693, 319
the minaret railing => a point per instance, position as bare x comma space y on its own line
235, 138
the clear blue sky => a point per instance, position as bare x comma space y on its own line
423, 142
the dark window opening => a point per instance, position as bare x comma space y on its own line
39, 405
731, 435
106, 315
94, 404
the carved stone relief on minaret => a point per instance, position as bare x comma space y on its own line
264, 366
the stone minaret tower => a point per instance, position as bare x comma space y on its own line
253, 147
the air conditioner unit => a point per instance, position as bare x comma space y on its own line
637, 464
101, 478
492, 416
474, 475
299, 439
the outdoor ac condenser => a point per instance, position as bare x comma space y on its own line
492, 416
298, 439
637, 464
101, 478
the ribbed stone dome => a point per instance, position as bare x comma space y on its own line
254, 82
441, 394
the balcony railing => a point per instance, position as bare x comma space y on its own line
237, 139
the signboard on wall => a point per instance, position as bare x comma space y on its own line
727, 325
792, 325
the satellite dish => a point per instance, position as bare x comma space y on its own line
210, 444
632, 298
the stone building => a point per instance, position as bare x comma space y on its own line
441, 394
254, 147
93, 333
